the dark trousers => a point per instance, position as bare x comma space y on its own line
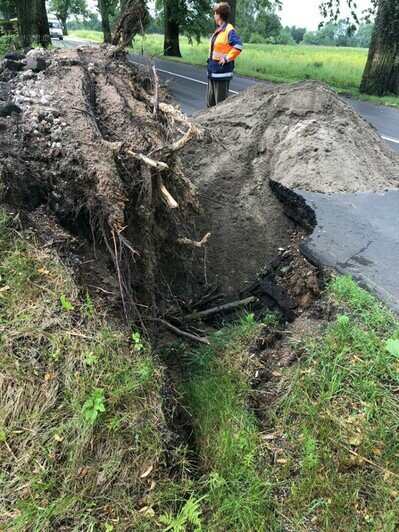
217, 91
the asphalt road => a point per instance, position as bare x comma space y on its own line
357, 234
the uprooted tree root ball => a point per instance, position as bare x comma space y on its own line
99, 155
166, 212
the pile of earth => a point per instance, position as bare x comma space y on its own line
275, 139
129, 188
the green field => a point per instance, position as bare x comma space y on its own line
341, 68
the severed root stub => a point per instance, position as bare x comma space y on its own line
91, 151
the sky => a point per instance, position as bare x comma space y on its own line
301, 13
306, 14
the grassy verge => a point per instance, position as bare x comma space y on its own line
341, 68
95, 36
339, 422
81, 423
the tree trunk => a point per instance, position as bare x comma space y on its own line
103, 8
25, 19
41, 22
130, 23
171, 26
64, 26
381, 75
232, 16
124, 35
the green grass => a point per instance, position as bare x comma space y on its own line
95, 36
9, 42
339, 422
339, 67
61, 360
237, 484
333, 427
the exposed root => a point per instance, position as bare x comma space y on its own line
195, 244
172, 203
159, 165
166, 151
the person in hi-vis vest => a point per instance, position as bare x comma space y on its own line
225, 46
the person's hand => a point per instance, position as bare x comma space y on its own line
222, 61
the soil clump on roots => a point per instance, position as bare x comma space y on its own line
89, 149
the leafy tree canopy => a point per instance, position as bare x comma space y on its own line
297, 33
194, 17
331, 9
257, 20
64, 8
8, 9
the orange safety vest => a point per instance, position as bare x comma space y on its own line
220, 47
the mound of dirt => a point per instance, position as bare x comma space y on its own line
300, 136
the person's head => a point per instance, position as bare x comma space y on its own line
221, 13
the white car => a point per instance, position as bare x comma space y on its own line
55, 27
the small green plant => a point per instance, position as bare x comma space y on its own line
392, 347
343, 320
66, 304
89, 310
138, 344
250, 318
90, 359
55, 355
188, 515
93, 407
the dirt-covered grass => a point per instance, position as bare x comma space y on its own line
339, 67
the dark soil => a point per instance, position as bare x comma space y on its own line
68, 159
